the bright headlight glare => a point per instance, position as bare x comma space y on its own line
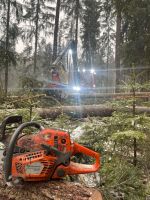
76, 88
92, 71
70, 51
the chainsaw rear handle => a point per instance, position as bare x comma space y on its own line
10, 150
77, 168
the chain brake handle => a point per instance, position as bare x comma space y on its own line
77, 168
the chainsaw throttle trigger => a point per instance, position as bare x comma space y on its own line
77, 168
51, 150
62, 158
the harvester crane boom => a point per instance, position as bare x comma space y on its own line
73, 47
70, 45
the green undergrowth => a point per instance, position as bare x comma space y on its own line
113, 137
121, 180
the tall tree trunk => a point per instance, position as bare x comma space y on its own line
36, 35
7, 48
76, 74
77, 21
108, 47
90, 53
134, 113
118, 42
71, 33
135, 140
56, 29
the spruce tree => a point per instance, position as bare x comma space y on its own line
108, 34
118, 7
132, 35
73, 10
90, 30
39, 14
56, 29
136, 29
11, 16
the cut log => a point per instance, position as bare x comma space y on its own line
76, 111
85, 111
110, 95
95, 94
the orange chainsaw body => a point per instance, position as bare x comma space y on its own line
48, 155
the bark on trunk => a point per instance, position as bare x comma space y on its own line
36, 35
84, 111
76, 75
7, 48
117, 56
56, 29
108, 47
75, 111
77, 21
94, 95
111, 95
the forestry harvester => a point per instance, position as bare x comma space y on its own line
75, 79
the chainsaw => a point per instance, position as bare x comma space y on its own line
44, 155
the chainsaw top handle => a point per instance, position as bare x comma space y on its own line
10, 150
